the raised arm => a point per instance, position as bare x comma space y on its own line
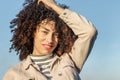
86, 33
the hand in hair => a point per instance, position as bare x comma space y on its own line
51, 4
48, 3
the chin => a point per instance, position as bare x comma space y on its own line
46, 52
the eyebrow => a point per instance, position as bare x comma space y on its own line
45, 29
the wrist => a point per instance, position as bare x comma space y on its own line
57, 9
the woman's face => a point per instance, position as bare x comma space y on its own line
45, 38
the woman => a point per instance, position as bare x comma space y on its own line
52, 42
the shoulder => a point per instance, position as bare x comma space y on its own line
12, 72
67, 60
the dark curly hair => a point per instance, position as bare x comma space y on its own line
24, 26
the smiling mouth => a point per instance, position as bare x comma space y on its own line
47, 46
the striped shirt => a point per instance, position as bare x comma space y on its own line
43, 61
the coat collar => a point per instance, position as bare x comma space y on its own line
28, 62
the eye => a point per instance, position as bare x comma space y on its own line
55, 34
44, 32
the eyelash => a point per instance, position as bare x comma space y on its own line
56, 34
45, 32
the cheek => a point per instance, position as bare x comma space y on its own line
38, 40
56, 41
41, 38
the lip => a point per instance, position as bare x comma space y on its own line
47, 46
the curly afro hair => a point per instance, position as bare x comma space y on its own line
25, 24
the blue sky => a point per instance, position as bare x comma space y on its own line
103, 62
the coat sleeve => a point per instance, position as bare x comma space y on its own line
85, 31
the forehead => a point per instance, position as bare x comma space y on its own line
49, 24
47, 21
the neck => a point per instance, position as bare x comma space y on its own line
41, 58
36, 52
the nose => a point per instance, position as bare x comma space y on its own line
49, 38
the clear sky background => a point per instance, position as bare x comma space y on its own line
104, 60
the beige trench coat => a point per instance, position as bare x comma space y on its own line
66, 67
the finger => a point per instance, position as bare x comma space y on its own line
39, 1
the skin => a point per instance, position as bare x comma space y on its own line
45, 38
